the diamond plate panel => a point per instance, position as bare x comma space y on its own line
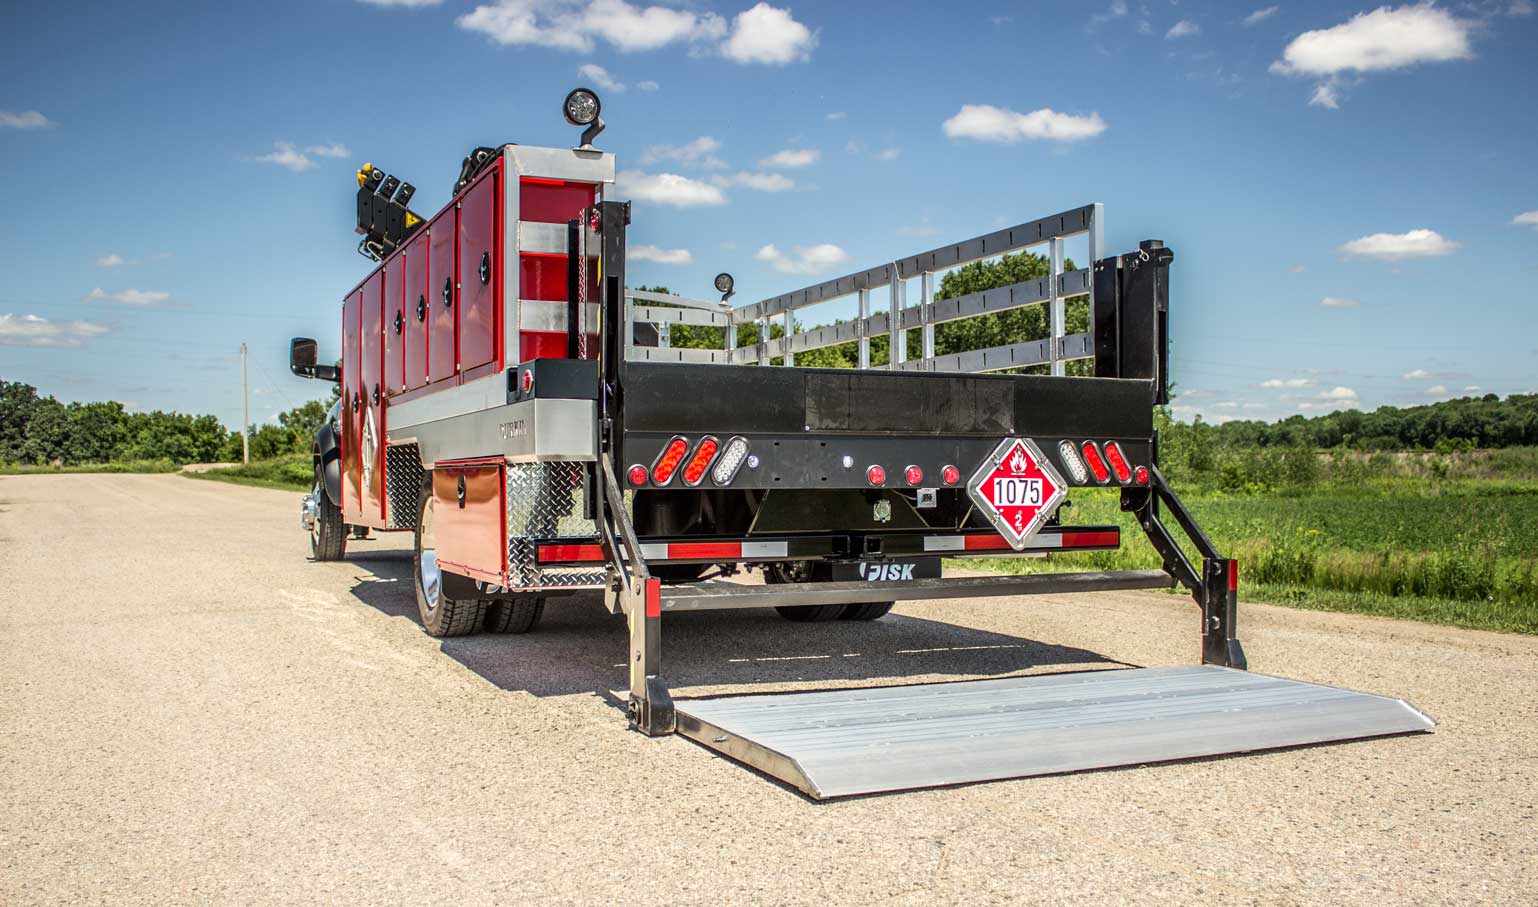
544, 501
403, 484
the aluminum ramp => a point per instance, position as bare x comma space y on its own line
841, 743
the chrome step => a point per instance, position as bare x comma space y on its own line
717, 595
841, 743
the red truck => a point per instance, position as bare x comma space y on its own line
509, 401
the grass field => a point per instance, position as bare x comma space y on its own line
293, 472
24, 469
1461, 552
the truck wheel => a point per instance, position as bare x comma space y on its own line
328, 534
518, 615
866, 611
800, 572
441, 615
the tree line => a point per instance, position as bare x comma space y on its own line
39, 430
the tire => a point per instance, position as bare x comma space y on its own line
441, 615
517, 615
800, 572
328, 537
866, 611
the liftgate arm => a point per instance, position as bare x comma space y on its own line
650, 708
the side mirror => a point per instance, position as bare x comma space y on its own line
302, 353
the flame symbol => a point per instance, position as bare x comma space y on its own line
1018, 463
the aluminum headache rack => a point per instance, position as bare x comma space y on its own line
648, 326
862, 741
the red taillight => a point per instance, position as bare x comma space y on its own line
875, 475
951, 475
667, 464
638, 475
1118, 462
1140, 475
528, 380
700, 462
914, 475
1095, 462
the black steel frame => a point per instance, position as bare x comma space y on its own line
1129, 306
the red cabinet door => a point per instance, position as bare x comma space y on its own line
352, 383
442, 298
371, 429
394, 326
480, 274
417, 310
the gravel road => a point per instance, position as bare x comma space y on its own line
192, 712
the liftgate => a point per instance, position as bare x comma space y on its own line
860, 741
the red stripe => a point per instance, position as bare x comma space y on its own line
1110, 539
541, 181
1233, 576
548, 553
705, 549
654, 598
985, 542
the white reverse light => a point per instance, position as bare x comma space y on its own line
1071, 459
732, 457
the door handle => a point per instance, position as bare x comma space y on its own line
485, 267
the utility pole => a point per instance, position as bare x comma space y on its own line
245, 412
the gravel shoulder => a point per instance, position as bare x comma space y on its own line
192, 712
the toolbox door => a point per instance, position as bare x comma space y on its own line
417, 310
480, 273
394, 326
442, 298
352, 383
371, 427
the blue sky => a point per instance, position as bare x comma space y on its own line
178, 177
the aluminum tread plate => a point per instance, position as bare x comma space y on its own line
840, 743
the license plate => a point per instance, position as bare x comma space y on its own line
887, 571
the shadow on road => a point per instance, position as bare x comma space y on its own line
579, 647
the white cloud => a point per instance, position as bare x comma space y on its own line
701, 152
764, 182
816, 259
1325, 95
792, 157
1254, 406
1339, 302
647, 85
599, 76
1420, 374
1185, 28
34, 330
1338, 393
838, 115
1520, 8
1416, 374
1260, 15
1116, 10
660, 256
1420, 243
1227, 404
128, 297
1298, 269
1384, 39
887, 154
1472, 389
569, 25
110, 261
986, 123
767, 34
285, 155
666, 189
335, 149
1526, 218
1288, 382
1435, 390
407, 4
27, 119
